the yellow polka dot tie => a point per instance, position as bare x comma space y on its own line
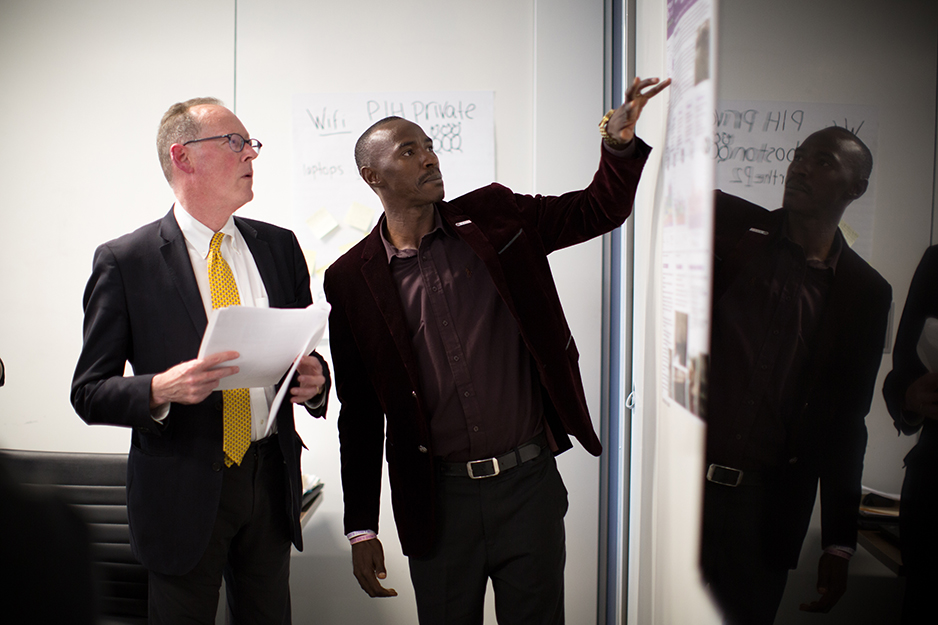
236, 402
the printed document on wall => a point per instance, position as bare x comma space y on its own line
333, 208
687, 206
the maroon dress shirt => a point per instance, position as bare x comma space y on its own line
479, 383
763, 338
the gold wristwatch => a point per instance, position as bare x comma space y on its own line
611, 141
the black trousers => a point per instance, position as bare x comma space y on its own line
508, 528
250, 547
735, 553
917, 517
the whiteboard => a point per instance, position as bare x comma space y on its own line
333, 208
754, 142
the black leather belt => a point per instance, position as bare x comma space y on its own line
266, 445
490, 467
728, 476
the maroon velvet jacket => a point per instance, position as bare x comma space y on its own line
375, 370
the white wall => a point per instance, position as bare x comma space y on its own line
83, 88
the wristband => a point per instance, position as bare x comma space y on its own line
841, 552
360, 536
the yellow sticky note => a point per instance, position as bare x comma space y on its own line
322, 223
850, 235
310, 259
346, 247
359, 216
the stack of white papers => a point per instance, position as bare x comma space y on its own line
269, 341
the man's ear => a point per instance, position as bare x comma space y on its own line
858, 189
370, 176
180, 157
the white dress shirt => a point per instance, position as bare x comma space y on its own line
251, 292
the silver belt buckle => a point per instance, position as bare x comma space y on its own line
719, 479
495, 467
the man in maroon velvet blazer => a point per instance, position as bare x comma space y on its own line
446, 325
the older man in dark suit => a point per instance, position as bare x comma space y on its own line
446, 324
799, 323
212, 487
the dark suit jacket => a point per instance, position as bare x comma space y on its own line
827, 439
921, 304
142, 305
919, 507
376, 371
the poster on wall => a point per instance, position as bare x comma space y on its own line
686, 205
333, 208
754, 142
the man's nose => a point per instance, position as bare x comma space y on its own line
249, 153
430, 159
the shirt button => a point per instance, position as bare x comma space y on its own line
466, 394
414, 394
475, 428
455, 358
445, 323
739, 437
216, 466
433, 289
422, 449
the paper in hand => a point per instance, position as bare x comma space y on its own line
268, 340
927, 347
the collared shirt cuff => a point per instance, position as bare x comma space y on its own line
316, 401
361, 536
912, 419
160, 412
625, 152
841, 551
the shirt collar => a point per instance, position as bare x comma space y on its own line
197, 234
393, 252
833, 256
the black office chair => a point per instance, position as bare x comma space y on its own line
94, 485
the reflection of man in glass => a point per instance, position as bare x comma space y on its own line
799, 321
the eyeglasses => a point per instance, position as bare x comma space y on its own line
235, 141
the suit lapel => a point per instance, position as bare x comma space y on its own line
264, 260
762, 231
839, 307
377, 276
467, 230
179, 267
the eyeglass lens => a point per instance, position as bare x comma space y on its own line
236, 142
